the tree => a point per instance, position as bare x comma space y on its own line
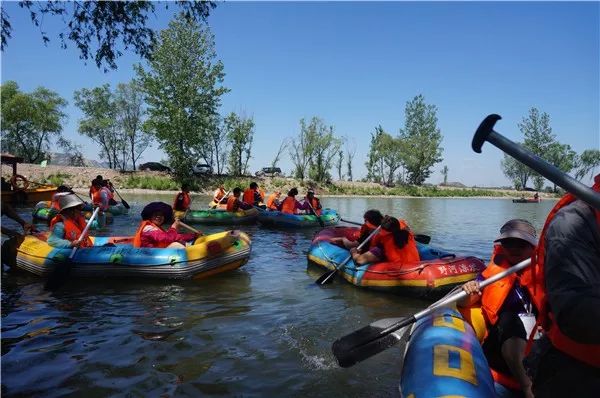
110, 23
515, 171
217, 149
129, 107
183, 93
561, 156
538, 138
340, 164
324, 146
240, 133
386, 157
374, 161
100, 123
29, 121
282, 147
445, 174
350, 153
422, 139
588, 161
73, 152
301, 149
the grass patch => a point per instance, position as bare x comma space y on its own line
57, 179
159, 183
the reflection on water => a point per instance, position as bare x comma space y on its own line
259, 331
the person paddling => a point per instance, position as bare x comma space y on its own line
234, 203
273, 200
219, 194
290, 205
501, 303
182, 200
150, 232
372, 218
314, 202
394, 243
252, 195
66, 227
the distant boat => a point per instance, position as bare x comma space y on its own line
527, 200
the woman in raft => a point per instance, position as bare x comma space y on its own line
372, 220
394, 243
150, 232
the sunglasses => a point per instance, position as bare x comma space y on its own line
514, 243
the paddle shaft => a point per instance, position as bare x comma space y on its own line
455, 297
120, 197
321, 223
328, 275
84, 232
485, 132
224, 196
194, 230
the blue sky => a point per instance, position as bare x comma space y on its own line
356, 65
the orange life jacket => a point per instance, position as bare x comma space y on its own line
534, 280
493, 295
73, 228
262, 195
218, 195
409, 253
137, 238
97, 198
492, 299
249, 196
184, 204
271, 202
232, 204
315, 203
288, 206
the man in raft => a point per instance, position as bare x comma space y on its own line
290, 205
183, 200
273, 200
234, 203
314, 202
372, 218
501, 303
219, 194
252, 195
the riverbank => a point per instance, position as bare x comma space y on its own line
79, 179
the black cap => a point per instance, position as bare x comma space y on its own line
518, 229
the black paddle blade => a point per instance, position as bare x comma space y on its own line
425, 239
125, 203
59, 274
369, 340
326, 278
9, 250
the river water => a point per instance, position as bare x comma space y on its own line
263, 330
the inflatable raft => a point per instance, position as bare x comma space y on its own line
116, 257
219, 217
444, 358
432, 277
529, 200
44, 211
329, 217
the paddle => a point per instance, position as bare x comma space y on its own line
122, 200
421, 238
221, 200
380, 335
485, 132
321, 223
62, 269
327, 277
190, 228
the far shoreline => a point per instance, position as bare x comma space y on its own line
140, 191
